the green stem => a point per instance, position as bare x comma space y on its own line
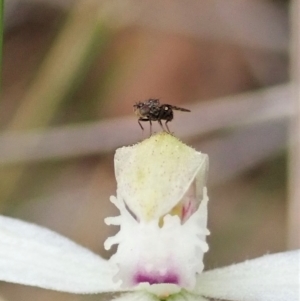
1, 39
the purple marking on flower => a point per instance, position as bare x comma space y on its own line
156, 279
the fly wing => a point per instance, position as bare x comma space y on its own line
180, 109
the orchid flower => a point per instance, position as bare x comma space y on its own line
162, 199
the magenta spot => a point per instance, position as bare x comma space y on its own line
187, 210
156, 279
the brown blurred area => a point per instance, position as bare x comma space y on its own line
72, 64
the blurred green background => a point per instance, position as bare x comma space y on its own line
72, 71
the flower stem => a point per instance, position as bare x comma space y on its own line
1, 38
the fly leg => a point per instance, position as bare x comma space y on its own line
145, 119
161, 125
139, 121
168, 127
150, 127
166, 113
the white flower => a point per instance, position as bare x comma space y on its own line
162, 200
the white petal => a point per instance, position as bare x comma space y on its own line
36, 256
153, 176
269, 278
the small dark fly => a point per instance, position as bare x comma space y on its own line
152, 110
